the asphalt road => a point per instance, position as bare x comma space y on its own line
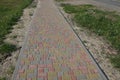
111, 2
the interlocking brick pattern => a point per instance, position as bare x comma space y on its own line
52, 51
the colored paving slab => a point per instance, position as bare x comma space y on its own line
52, 51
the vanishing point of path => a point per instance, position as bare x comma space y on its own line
52, 51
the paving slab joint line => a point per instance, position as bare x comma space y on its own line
71, 25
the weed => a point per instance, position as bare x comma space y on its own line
84, 41
31, 14
13, 36
115, 60
11, 70
7, 48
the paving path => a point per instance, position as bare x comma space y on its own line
52, 51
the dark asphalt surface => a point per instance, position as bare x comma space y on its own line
111, 2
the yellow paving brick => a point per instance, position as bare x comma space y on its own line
51, 75
30, 71
77, 73
95, 76
27, 62
23, 75
32, 78
57, 69
56, 64
66, 77
91, 76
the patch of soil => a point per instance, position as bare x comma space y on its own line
98, 46
16, 37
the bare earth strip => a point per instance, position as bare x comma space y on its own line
52, 51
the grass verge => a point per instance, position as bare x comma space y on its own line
10, 12
103, 23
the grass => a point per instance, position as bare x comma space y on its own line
3, 78
116, 61
103, 23
7, 48
11, 70
10, 12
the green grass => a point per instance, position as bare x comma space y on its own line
116, 61
7, 48
3, 78
10, 12
103, 23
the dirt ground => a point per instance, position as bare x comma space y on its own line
98, 46
16, 37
